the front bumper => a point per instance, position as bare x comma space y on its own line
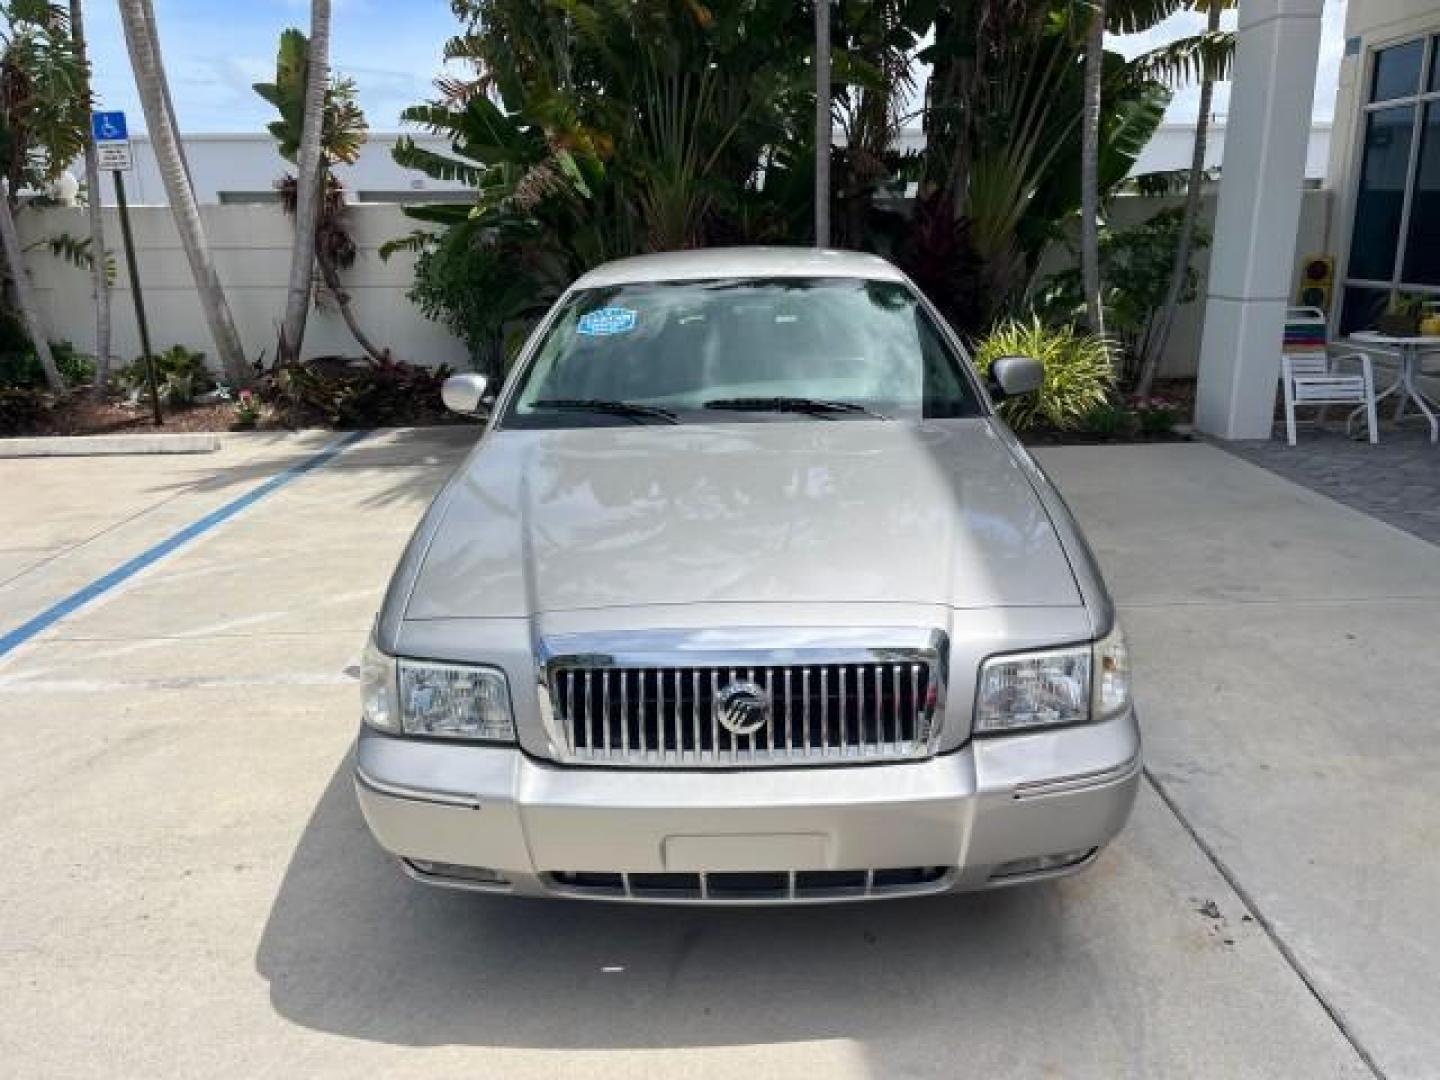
995, 812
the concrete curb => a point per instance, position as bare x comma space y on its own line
192, 442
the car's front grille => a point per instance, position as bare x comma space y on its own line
801, 714
754, 886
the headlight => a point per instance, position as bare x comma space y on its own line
418, 697
1035, 689
1053, 687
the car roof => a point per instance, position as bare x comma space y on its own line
740, 262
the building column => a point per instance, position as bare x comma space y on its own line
1262, 182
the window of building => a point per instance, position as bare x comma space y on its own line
246, 198
412, 197
1395, 236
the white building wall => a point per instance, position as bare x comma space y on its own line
251, 247
243, 167
1172, 146
231, 167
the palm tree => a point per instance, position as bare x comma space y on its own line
164, 79
1214, 52
335, 251
43, 116
310, 183
343, 133
99, 277
1089, 170
140, 40
823, 132
25, 298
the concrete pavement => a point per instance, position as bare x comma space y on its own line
189, 890
1285, 649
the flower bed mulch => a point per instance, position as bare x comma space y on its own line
333, 392
81, 414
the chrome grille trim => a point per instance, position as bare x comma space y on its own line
647, 700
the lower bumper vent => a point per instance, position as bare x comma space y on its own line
753, 886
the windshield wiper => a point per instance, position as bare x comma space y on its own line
808, 406
631, 410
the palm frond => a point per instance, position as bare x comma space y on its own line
441, 213
75, 250
1166, 183
434, 165
414, 242
1133, 16
1200, 57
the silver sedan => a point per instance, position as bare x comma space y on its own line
746, 595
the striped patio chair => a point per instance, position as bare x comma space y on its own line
1311, 376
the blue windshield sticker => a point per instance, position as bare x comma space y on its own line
607, 320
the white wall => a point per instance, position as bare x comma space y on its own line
1172, 147
228, 164
236, 166
251, 246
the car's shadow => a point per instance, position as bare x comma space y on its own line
353, 947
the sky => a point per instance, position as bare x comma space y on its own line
1186, 103
215, 50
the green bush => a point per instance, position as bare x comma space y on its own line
1156, 416
1137, 262
1078, 373
22, 408
180, 374
1108, 421
21, 367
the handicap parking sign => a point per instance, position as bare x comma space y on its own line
108, 127
112, 141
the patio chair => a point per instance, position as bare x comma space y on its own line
1311, 376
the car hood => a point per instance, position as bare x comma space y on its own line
802, 511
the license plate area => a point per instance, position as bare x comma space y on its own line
746, 852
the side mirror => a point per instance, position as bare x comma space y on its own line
1013, 376
464, 394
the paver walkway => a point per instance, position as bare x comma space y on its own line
1396, 480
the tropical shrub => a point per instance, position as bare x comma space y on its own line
21, 367
1107, 421
1155, 416
1002, 127
248, 410
594, 129
181, 375
44, 114
1136, 265
351, 394
22, 409
1078, 373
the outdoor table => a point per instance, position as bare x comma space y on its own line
1406, 387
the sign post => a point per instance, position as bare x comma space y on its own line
112, 147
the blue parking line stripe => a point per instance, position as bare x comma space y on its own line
101, 585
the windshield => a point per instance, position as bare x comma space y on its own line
746, 350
